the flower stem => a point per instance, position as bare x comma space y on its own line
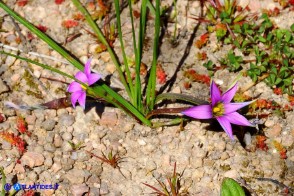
175, 96
175, 121
165, 111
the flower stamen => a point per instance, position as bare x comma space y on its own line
218, 109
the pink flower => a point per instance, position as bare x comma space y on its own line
221, 109
78, 90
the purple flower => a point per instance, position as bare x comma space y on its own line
78, 90
221, 109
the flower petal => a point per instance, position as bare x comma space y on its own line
87, 69
199, 112
74, 97
237, 119
215, 94
82, 100
229, 94
82, 77
92, 78
226, 126
73, 87
233, 107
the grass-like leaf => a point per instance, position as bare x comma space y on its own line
103, 40
128, 74
150, 93
102, 90
231, 188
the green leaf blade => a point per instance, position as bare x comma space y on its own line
230, 187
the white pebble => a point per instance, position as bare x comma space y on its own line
141, 142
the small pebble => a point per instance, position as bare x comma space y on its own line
287, 141
75, 176
31, 119
82, 156
32, 159
74, 156
66, 147
48, 162
49, 147
269, 123
38, 149
79, 189
45, 176
32, 176
50, 137
247, 139
94, 191
108, 119
196, 163
93, 179
57, 141
110, 67
232, 174
103, 188
19, 168
49, 124
3, 87
224, 156
141, 142
66, 120
274, 131
56, 167
8, 169
150, 166
6, 145
67, 136
15, 78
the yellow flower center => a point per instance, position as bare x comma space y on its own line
218, 109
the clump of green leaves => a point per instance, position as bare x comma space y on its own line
272, 48
223, 16
210, 66
232, 61
171, 189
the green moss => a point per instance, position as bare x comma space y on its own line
247, 179
225, 167
16, 86
33, 86
35, 94
258, 174
60, 90
245, 163
47, 84
30, 80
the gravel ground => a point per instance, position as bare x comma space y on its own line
204, 154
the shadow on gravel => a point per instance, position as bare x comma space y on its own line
239, 131
168, 85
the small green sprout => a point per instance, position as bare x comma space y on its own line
171, 189
112, 160
77, 146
